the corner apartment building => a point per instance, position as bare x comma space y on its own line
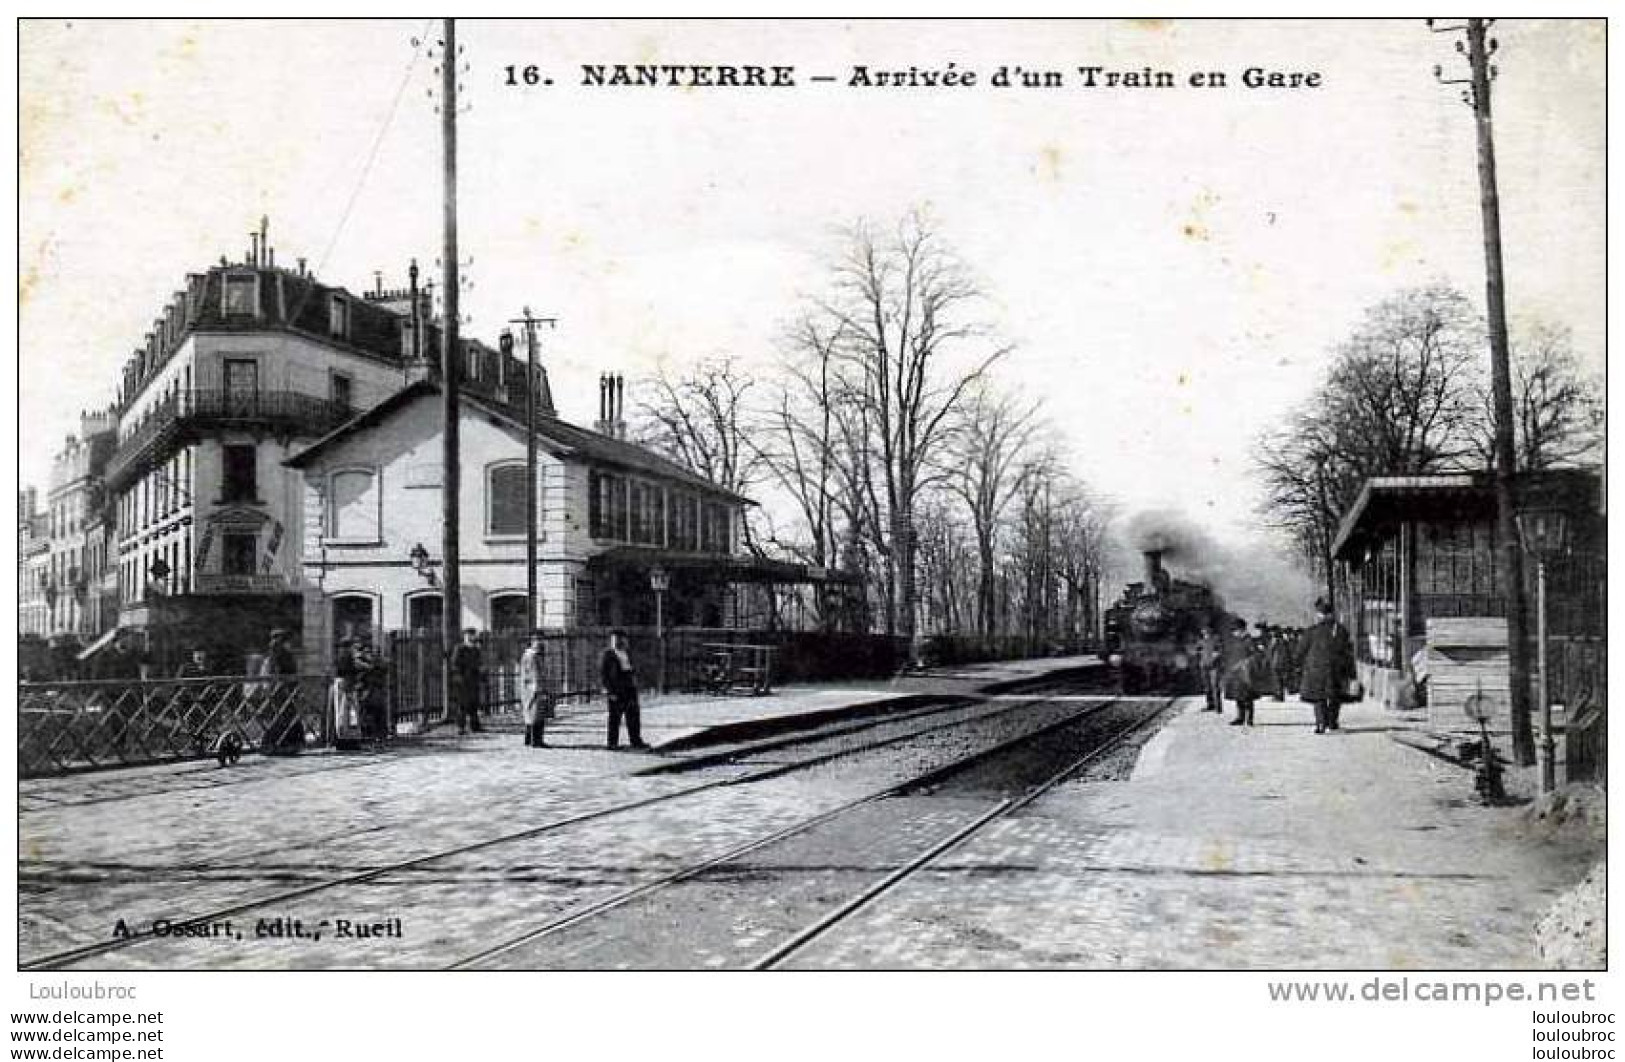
247, 364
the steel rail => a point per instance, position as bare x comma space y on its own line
1005, 807
626, 896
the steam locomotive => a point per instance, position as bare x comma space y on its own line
1152, 632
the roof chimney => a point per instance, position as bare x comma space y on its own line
301, 266
620, 406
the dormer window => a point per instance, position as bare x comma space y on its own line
241, 297
338, 316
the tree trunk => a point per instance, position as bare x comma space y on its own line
985, 591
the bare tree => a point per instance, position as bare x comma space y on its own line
800, 441
906, 350
1557, 408
1079, 545
700, 419
945, 556
989, 461
1398, 400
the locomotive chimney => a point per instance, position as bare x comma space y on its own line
1154, 574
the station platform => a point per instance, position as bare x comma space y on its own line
1228, 847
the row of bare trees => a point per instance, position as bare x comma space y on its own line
1407, 394
881, 445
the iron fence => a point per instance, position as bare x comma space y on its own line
571, 662
69, 726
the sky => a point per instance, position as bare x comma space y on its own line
1172, 266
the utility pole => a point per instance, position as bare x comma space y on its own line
531, 520
450, 354
1478, 50
1327, 517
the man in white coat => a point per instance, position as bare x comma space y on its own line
533, 696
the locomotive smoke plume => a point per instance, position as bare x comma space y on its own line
1256, 580
1185, 548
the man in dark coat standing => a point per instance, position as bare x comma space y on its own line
621, 690
1327, 656
1210, 657
1240, 673
286, 734
467, 672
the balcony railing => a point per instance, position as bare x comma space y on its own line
186, 414
211, 583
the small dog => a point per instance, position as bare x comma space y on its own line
228, 749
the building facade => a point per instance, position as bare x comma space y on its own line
80, 602
247, 365
33, 566
609, 513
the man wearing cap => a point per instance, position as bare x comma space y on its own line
1210, 658
1239, 683
467, 674
621, 691
1327, 657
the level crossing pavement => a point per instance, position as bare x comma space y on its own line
1267, 847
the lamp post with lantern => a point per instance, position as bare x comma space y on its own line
1545, 535
660, 582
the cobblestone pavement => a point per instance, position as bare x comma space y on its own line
173, 842
1262, 848
1268, 847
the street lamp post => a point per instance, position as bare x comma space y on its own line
660, 582
1544, 533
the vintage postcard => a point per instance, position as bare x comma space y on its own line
682, 495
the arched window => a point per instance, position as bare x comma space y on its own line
508, 612
352, 506
353, 618
505, 499
423, 611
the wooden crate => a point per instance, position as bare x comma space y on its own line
1466, 655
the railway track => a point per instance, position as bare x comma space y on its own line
524, 949
971, 713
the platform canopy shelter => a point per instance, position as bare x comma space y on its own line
1423, 593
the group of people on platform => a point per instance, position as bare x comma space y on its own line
361, 683
357, 696
1315, 663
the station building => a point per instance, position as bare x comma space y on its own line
273, 461
610, 512
1421, 589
